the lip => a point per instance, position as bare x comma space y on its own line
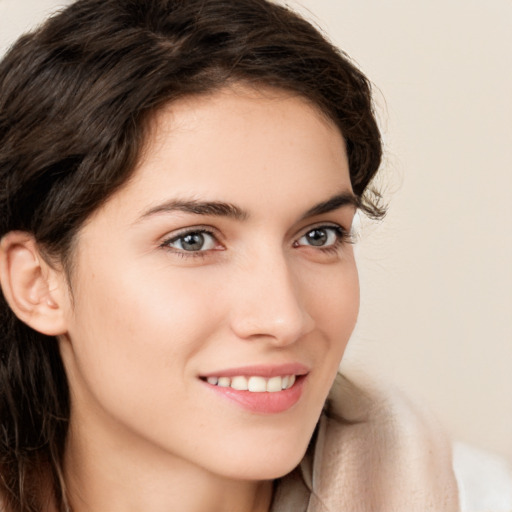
266, 371
265, 402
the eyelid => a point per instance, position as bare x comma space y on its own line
346, 234
180, 233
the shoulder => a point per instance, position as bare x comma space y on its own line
376, 450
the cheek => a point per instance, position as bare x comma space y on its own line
335, 306
137, 332
333, 299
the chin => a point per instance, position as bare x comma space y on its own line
278, 469
267, 463
269, 452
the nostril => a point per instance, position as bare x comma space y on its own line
276, 329
268, 304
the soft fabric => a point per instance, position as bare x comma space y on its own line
485, 479
373, 451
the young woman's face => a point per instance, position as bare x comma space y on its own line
221, 265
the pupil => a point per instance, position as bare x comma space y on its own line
317, 237
193, 242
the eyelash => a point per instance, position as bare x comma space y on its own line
342, 237
180, 236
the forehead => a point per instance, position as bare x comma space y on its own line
237, 123
240, 146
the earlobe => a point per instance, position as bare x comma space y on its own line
32, 288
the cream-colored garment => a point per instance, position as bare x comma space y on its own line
373, 451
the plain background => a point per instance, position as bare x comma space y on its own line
436, 275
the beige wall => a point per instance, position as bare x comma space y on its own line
436, 276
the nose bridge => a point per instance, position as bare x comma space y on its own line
268, 299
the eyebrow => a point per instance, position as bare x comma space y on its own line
222, 209
335, 202
212, 208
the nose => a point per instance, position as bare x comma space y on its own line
269, 302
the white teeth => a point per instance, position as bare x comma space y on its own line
254, 384
257, 384
275, 384
224, 382
239, 383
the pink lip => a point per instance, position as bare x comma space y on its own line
266, 402
265, 371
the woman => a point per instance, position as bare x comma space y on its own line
179, 181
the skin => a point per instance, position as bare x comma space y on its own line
147, 318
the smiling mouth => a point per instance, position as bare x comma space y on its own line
260, 390
254, 384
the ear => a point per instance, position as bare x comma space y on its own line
34, 290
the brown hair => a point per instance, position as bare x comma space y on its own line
75, 97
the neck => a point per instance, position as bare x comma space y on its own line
101, 476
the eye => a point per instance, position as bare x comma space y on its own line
322, 236
192, 241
